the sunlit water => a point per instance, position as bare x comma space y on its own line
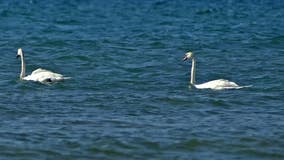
129, 96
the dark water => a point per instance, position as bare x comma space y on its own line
129, 97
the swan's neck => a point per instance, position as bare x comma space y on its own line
192, 77
23, 69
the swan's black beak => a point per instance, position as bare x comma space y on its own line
185, 58
17, 56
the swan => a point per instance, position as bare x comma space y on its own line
39, 75
218, 84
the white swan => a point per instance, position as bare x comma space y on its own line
215, 84
39, 75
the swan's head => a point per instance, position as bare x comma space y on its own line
20, 52
187, 56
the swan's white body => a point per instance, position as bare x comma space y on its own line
39, 75
218, 84
42, 75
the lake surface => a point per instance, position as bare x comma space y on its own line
129, 96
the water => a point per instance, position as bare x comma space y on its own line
129, 97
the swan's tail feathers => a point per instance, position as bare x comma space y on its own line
239, 87
231, 87
65, 78
248, 86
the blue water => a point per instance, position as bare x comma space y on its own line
129, 96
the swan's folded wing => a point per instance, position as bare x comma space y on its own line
226, 83
49, 77
43, 75
39, 70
